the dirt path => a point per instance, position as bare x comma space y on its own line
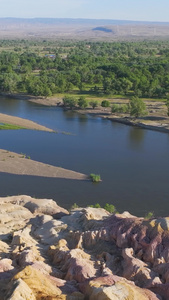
19, 164
22, 122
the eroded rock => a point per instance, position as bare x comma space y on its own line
47, 253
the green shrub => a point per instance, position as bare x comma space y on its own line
74, 206
97, 205
82, 102
105, 103
115, 108
94, 104
149, 215
120, 108
110, 208
95, 177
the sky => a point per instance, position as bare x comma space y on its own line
138, 10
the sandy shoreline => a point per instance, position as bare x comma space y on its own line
20, 164
25, 123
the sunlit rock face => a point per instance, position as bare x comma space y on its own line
47, 252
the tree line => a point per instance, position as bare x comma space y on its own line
127, 68
136, 106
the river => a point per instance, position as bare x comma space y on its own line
133, 163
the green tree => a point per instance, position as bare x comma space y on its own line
137, 107
94, 104
69, 102
82, 102
105, 103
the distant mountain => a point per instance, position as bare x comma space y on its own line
104, 29
52, 21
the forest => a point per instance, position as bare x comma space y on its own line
45, 68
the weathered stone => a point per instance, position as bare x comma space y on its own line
19, 290
40, 285
79, 256
137, 270
116, 288
47, 230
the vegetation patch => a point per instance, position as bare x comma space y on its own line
95, 177
109, 207
149, 215
5, 126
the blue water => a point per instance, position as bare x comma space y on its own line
133, 163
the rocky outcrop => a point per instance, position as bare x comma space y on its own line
114, 287
48, 253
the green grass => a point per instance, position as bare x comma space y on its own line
91, 96
6, 126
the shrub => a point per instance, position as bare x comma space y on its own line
137, 107
94, 104
105, 103
97, 205
115, 108
82, 102
149, 215
110, 208
95, 178
74, 206
123, 108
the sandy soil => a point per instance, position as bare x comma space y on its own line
22, 122
19, 164
52, 101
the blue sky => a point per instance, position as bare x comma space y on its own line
143, 10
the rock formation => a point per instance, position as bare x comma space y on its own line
47, 252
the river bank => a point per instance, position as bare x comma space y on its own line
157, 118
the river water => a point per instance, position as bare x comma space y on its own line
133, 163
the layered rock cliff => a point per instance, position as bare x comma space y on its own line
49, 253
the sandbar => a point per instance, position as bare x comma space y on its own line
25, 123
20, 164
